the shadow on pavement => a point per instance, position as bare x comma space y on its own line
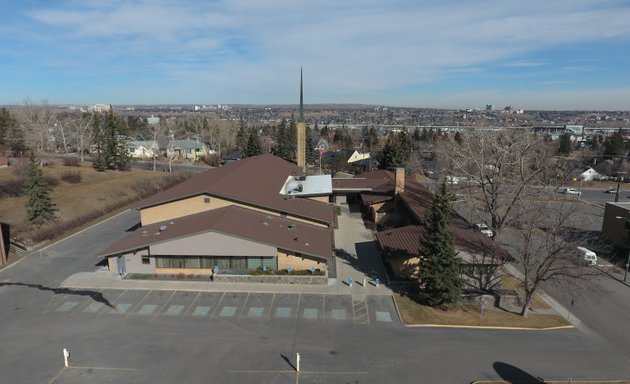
96, 296
285, 358
512, 374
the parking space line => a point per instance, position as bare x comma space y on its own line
133, 308
273, 298
297, 308
192, 305
240, 315
217, 306
360, 313
165, 303
112, 304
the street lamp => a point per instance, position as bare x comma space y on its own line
618, 184
625, 275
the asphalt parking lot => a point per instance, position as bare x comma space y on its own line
360, 309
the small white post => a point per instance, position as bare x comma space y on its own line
297, 363
363, 282
66, 354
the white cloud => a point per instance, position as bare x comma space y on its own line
353, 48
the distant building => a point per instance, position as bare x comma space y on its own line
153, 120
489, 107
98, 108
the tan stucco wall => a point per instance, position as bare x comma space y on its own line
173, 210
323, 199
195, 204
212, 244
112, 264
287, 259
376, 209
184, 271
405, 268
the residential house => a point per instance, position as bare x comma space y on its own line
4, 161
590, 174
187, 149
143, 149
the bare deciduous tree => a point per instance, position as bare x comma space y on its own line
501, 169
545, 247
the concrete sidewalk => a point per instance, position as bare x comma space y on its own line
103, 279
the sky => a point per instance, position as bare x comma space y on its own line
535, 54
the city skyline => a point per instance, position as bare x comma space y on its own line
453, 54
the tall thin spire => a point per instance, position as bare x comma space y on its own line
301, 118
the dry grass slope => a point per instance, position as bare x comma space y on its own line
98, 194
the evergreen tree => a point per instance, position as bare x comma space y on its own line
439, 266
39, 207
396, 151
111, 143
254, 146
97, 132
564, 147
458, 137
613, 145
312, 156
281, 132
11, 136
241, 138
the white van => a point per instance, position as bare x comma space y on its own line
589, 257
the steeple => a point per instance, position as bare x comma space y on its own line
301, 117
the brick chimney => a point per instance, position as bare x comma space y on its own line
399, 180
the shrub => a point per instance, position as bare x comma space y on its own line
211, 160
52, 181
71, 177
71, 162
145, 187
12, 188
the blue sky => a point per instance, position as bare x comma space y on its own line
535, 54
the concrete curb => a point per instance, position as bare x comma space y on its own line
612, 277
489, 327
562, 311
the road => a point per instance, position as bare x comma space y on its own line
176, 341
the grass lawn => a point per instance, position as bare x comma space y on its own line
97, 195
511, 282
413, 313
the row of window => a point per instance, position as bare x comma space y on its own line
231, 263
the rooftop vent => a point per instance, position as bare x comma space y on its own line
265, 223
291, 227
162, 228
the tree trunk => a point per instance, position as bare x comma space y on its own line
528, 301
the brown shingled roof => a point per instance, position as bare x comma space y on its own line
235, 221
405, 240
255, 181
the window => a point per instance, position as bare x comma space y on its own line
146, 260
206, 200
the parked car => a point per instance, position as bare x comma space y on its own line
570, 191
611, 191
588, 257
484, 229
